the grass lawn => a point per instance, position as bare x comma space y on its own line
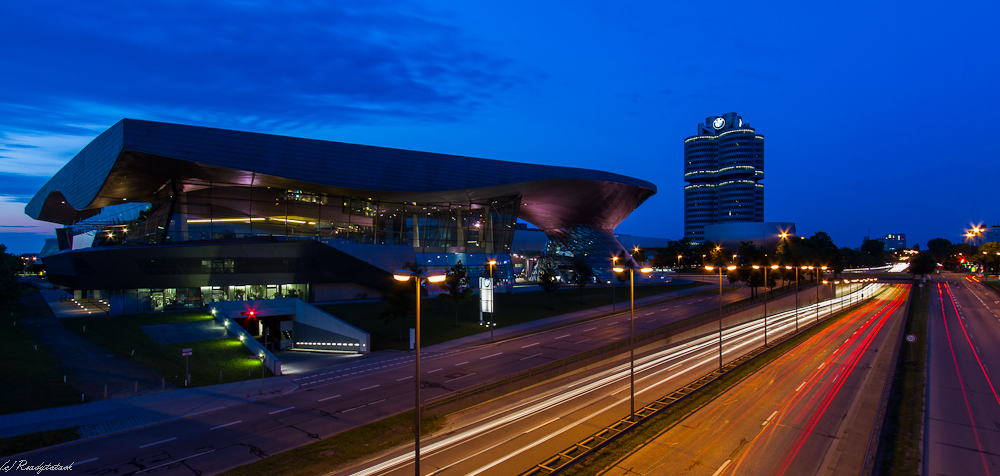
437, 315
123, 335
899, 448
31, 378
338, 451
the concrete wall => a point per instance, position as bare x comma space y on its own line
310, 315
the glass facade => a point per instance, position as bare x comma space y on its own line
441, 233
723, 166
216, 211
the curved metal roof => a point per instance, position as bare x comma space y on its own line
132, 159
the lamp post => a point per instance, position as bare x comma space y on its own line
631, 340
720, 309
614, 284
403, 275
679, 272
492, 262
796, 296
765, 298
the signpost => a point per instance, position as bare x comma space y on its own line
486, 301
187, 376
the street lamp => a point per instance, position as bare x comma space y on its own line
765, 298
720, 308
796, 296
631, 340
403, 275
614, 284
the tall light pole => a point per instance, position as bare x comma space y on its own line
765, 298
403, 275
614, 283
796, 296
492, 262
631, 340
679, 272
720, 308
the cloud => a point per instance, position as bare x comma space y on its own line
15, 221
257, 65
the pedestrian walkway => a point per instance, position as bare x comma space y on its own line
93, 369
110, 416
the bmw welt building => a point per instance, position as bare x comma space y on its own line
161, 216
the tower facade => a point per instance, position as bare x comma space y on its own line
723, 167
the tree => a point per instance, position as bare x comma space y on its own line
456, 282
923, 264
943, 251
989, 253
624, 261
547, 274
639, 256
9, 266
582, 274
875, 249
400, 298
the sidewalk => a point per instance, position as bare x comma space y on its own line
110, 416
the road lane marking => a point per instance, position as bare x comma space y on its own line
491, 355
530, 356
529, 345
87, 460
769, 418
649, 313
368, 388
461, 363
435, 370
158, 442
803, 384
821, 366
227, 424
722, 468
456, 378
560, 337
327, 398
588, 330
582, 341
404, 378
174, 461
282, 410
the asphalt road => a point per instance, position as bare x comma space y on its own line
783, 419
340, 397
963, 419
510, 437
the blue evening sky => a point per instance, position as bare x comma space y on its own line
877, 115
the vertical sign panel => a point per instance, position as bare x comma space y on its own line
485, 294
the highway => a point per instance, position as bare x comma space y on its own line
330, 400
513, 436
785, 418
963, 418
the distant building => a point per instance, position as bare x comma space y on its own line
892, 242
723, 167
